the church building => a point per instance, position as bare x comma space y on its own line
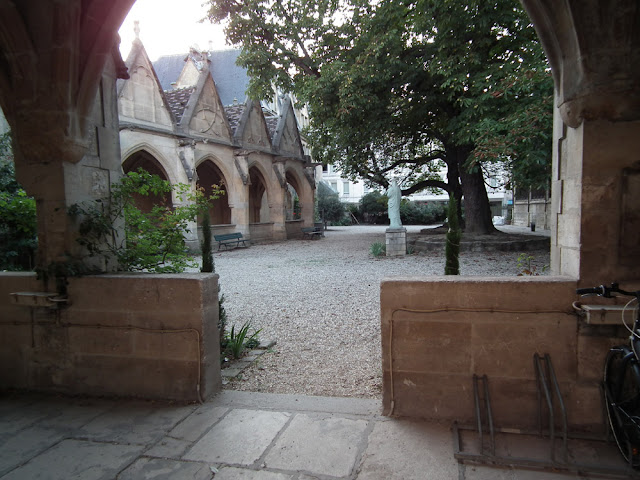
187, 134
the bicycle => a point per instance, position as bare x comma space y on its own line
621, 382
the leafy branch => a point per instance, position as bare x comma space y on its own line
152, 239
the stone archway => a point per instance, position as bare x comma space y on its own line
209, 174
147, 162
293, 198
258, 197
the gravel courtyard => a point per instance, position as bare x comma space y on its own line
319, 299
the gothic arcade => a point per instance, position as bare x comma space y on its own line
187, 135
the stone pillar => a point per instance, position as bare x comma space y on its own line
396, 242
69, 177
594, 52
60, 103
277, 189
595, 200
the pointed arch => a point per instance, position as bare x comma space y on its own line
258, 195
209, 174
293, 196
164, 163
144, 160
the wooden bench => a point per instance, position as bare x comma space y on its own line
229, 239
312, 232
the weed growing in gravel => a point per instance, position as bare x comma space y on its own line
378, 249
239, 341
527, 267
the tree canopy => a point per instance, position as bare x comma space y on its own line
403, 88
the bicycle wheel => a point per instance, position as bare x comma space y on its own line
622, 398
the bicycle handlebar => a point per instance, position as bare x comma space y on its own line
605, 291
592, 291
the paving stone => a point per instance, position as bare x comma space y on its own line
232, 372
139, 423
318, 445
266, 344
233, 473
240, 438
17, 448
14, 417
162, 469
409, 450
169, 448
77, 460
73, 416
196, 424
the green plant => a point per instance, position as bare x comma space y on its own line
373, 208
527, 267
330, 208
205, 245
151, 240
222, 326
414, 213
454, 235
18, 225
237, 341
378, 249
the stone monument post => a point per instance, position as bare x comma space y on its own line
396, 234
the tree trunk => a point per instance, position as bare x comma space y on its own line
476, 202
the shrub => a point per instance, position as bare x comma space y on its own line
414, 213
152, 241
378, 249
373, 208
18, 224
330, 208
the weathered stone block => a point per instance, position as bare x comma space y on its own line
159, 348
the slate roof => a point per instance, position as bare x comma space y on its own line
178, 100
168, 69
234, 114
231, 80
272, 124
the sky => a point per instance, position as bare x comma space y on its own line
170, 26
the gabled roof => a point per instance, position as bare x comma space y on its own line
138, 58
252, 129
204, 113
286, 138
231, 80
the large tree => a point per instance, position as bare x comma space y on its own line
393, 87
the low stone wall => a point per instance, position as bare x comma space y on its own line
294, 228
195, 246
439, 331
261, 232
141, 335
